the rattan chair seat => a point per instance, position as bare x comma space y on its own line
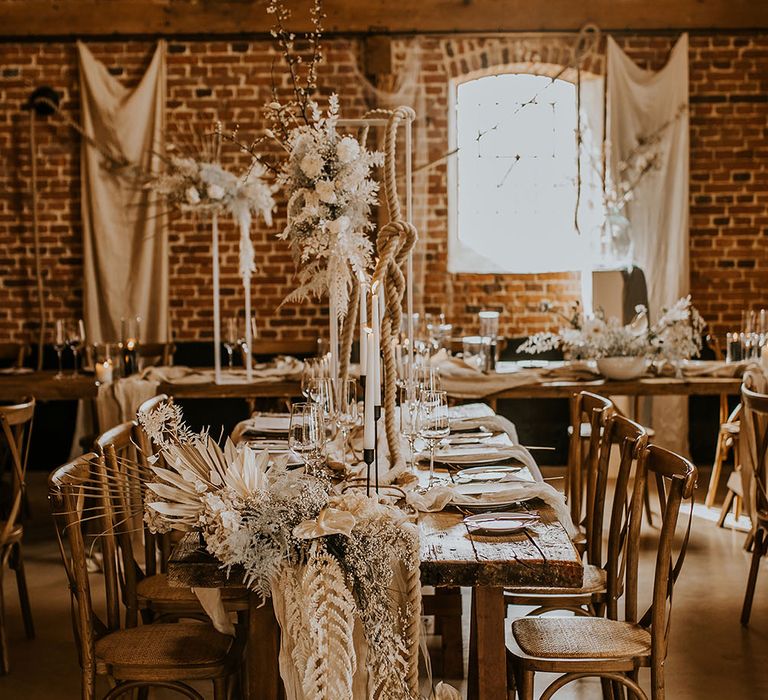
580, 638
594, 582
181, 645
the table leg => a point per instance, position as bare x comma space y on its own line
262, 651
487, 652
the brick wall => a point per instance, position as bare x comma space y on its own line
230, 80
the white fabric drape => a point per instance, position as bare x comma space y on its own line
125, 239
639, 103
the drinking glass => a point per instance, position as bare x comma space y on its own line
309, 372
59, 343
346, 410
75, 339
409, 418
230, 338
306, 434
434, 424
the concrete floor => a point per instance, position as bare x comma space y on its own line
711, 655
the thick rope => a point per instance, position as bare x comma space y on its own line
395, 240
348, 328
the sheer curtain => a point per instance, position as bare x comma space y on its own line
125, 239
640, 103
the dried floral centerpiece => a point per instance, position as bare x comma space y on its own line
330, 560
196, 182
677, 335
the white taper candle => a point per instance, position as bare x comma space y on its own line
363, 324
369, 434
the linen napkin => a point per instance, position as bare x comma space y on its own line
210, 599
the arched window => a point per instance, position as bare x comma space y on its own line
512, 184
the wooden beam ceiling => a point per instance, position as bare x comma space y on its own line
42, 18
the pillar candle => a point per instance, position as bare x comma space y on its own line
363, 325
375, 358
369, 439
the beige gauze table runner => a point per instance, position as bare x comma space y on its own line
125, 239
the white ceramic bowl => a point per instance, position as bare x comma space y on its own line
622, 368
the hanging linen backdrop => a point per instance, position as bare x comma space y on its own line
124, 234
642, 103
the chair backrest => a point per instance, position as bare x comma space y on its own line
592, 410
156, 546
78, 507
266, 348
16, 434
13, 354
631, 439
675, 479
156, 353
755, 432
118, 475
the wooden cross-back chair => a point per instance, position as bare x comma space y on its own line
15, 435
145, 589
602, 586
755, 418
615, 649
13, 354
589, 413
156, 353
160, 655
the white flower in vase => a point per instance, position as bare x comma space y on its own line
215, 192
312, 165
339, 226
192, 195
326, 191
347, 150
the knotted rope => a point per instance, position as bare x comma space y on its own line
395, 240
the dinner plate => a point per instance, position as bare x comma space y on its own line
499, 523
471, 458
487, 473
487, 496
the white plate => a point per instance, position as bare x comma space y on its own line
499, 523
487, 473
471, 458
472, 495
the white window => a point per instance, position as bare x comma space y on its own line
512, 184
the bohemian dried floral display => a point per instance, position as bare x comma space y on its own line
330, 559
675, 336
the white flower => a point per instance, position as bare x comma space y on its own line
192, 195
347, 150
326, 191
215, 191
339, 226
312, 165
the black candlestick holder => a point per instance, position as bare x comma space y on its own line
376, 416
368, 457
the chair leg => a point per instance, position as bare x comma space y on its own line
525, 689
5, 665
220, 688
726, 507
757, 554
717, 468
17, 564
647, 503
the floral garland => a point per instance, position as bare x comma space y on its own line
330, 556
201, 185
675, 336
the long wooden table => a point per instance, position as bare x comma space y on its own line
45, 387
450, 556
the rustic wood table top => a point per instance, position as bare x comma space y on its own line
450, 556
44, 386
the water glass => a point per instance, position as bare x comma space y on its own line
230, 338
433, 423
59, 343
75, 336
409, 418
346, 410
306, 435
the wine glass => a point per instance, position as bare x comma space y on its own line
409, 418
310, 371
434, 424
75, 339
345, 410
306, 434
59, 343
230, 338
